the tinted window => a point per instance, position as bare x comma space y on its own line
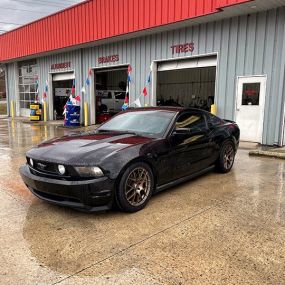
214, 121
152, 123
192, 121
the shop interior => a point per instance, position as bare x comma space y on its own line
192, 87
110, 91
62, 89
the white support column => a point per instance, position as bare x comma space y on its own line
154, 84
92, 99
50, 98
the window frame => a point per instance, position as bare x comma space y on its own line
27, 83
173, 126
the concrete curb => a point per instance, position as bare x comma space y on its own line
272, 154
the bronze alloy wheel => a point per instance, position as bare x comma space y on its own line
229, 155
138, 186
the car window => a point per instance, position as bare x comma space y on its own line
153, 123
120, 95
102, 94
214, 120
109, 95
192, 121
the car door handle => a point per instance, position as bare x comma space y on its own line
117, 100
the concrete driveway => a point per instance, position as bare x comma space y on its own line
216, 229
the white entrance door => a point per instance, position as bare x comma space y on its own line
250, 107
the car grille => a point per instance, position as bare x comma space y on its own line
50, 170
45, 167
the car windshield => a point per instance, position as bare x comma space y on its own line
148, 123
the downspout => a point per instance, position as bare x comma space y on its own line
7, 90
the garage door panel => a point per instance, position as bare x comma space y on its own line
188, 63
63, 76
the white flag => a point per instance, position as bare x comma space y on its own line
138, 102
83, 90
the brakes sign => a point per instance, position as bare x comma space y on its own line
110, 58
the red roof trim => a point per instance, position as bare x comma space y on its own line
95, 20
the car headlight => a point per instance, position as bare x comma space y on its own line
92, 171
61, 169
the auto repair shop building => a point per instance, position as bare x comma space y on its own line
231, 52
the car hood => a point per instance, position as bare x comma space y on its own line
87, 148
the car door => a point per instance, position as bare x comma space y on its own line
191, 151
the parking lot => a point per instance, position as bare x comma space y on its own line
216, 229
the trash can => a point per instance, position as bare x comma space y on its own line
35, 112
72, 116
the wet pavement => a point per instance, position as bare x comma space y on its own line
216, 229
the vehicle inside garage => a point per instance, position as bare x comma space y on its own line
180, 83
110, 91
62, 89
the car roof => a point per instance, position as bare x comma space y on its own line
165, 108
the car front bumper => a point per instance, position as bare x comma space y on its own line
88, 195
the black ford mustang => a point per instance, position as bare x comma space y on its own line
129, 158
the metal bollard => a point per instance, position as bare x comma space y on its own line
86, 114
214, 109
12, 109
45, 111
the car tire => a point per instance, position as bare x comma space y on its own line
135, 187
226, 158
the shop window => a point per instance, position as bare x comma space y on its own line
250, 93
28, 77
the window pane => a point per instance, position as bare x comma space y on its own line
27, 82
22, 96
33, 88
191, 121
27, 105
214, 121
33, 97
250, 93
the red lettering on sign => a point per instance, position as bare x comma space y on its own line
110, 58
61, 65
182, 48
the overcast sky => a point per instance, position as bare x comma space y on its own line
14, 13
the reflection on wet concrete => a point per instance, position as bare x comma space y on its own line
216, 229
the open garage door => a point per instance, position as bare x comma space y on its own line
61, 86
187, 83
110, 91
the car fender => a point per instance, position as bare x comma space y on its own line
121, 160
